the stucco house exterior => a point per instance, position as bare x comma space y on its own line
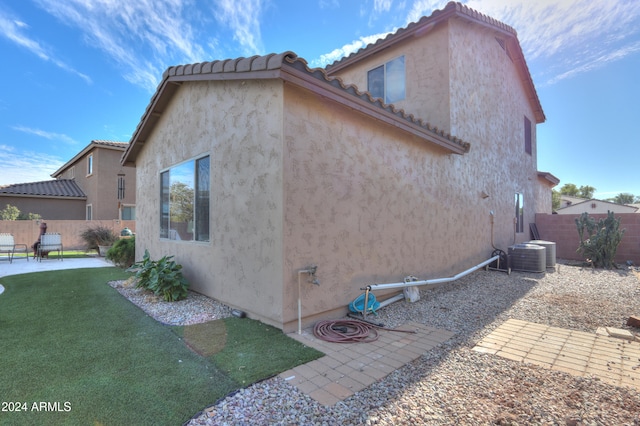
110, 187
413, 156
93, 185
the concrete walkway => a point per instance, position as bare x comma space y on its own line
611, 359
21, 265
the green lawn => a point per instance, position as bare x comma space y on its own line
74, 351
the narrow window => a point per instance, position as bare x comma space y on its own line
527, 135
90, 164
519, 213
89, 212
120, 187
388, 81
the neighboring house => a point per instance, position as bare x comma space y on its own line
265, 167
110, 187
59, 199
594, 206
568, 200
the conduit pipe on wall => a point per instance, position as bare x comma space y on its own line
311, 271
429, 282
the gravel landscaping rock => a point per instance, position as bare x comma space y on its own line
453, 384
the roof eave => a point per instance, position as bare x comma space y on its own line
431, 135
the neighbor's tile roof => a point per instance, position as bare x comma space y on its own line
63, 188
287, 66
452, 9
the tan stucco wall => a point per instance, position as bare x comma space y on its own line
239, 124
47, 208
427, 75
101, 187
368, 204
488, 106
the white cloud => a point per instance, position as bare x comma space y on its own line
47, 135
346, 50
141, 36
574, 36
13, 30
27, 166
243, 17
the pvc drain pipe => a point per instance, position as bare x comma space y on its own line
429, 282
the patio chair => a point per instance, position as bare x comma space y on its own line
8, 245
49, 243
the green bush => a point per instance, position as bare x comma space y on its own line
98, 236
123, 252
163, 277
600, 244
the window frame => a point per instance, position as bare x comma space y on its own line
198, 209
388, 72
89, 212
89, 164
519, 213
528, 136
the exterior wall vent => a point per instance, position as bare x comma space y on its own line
528, 258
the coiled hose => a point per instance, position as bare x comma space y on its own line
349, 331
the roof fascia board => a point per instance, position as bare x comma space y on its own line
307, 81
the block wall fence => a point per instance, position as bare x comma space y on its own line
561, 229
28, 231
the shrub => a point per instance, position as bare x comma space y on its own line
123, 252
163, 277
602, 240
98, 236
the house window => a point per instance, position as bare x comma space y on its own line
184, 201
519, 213
527, 135
388, 81
72, 172
128, 212
90, 164
89, 212
120, 187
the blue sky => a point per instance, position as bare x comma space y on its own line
78, 70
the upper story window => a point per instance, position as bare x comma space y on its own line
184, 201
90, 164
527, 135
388, 81
120, 187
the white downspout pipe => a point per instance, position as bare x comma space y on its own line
432, 281
311, 271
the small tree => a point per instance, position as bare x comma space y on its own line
9, 213
600, 244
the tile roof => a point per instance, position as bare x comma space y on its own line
452, 9
287, 66
63, 188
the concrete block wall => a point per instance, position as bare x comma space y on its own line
28, 231
561, 229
